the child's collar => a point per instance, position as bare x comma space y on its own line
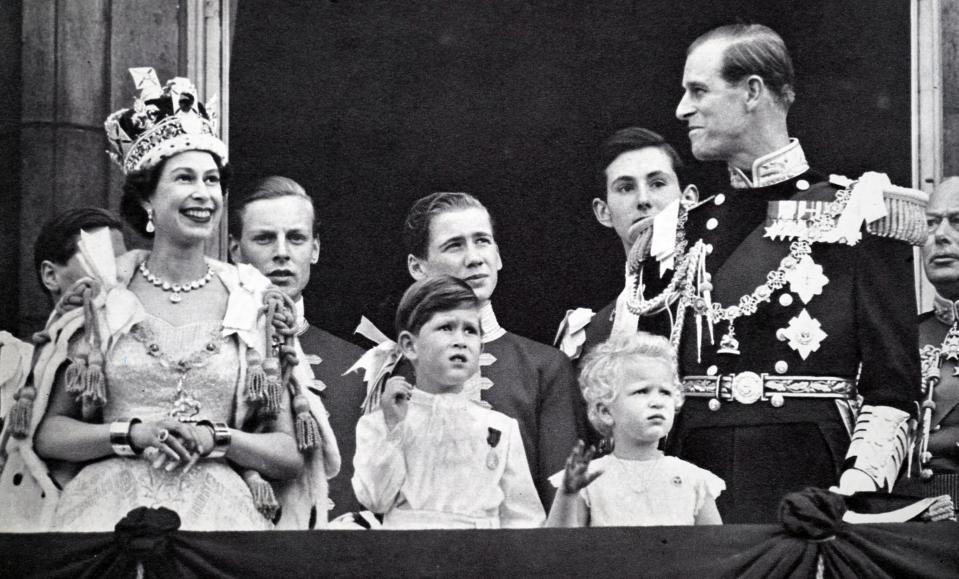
491, 328
450, 399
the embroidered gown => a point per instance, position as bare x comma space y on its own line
154, 369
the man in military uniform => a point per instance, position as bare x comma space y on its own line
939, 329
640, 175
790, 298
275, 229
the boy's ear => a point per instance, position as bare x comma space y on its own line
49, 276
416, 267
689, 196
233, 246
407, 343
601, 212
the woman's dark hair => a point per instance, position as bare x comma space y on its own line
139, 186
429, 296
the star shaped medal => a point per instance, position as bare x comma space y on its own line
806, 279
804, 334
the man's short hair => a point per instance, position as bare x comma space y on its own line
754, 49
273, 187
634, 139
416, 228
57, 241
430, 296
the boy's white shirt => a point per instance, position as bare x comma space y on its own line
433, 469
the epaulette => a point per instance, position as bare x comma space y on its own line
906, 216
871, 203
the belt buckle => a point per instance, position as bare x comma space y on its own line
747, 387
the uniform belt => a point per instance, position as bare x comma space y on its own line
750, 387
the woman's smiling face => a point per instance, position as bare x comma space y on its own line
188, 201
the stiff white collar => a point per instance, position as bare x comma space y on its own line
776, 167
491, 328
945, 310
302, 325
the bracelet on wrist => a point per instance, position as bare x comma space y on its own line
120, 437
221, 438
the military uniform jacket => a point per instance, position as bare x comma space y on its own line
330, 357
945, 418
865, 310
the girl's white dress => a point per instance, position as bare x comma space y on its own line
451, 463
663, 491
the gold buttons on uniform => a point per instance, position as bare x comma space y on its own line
711, 371
714, 404
777, 400
712, 223
802, 184
719, 199
782, 367
786, 300
709, 248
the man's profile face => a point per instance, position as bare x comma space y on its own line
461, 244
639, 184
940, 253
278, 240
713, 109
58, 278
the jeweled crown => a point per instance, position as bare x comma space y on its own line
164, 120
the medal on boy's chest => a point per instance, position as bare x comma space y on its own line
492, 459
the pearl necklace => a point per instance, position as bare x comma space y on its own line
177, 289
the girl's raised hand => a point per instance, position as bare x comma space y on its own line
395, 400
577, 475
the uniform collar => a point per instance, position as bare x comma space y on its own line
491, 328
776, 167
302, 325
945, 310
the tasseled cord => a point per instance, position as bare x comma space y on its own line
263, 497
21, 414
84, 376
264, 376
282, 332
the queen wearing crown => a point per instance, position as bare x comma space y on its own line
167, 379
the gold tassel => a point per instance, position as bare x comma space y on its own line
263, 497
307, 429
22, 412
94, 382
77, 369
255, 376
273, 390
74, 376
